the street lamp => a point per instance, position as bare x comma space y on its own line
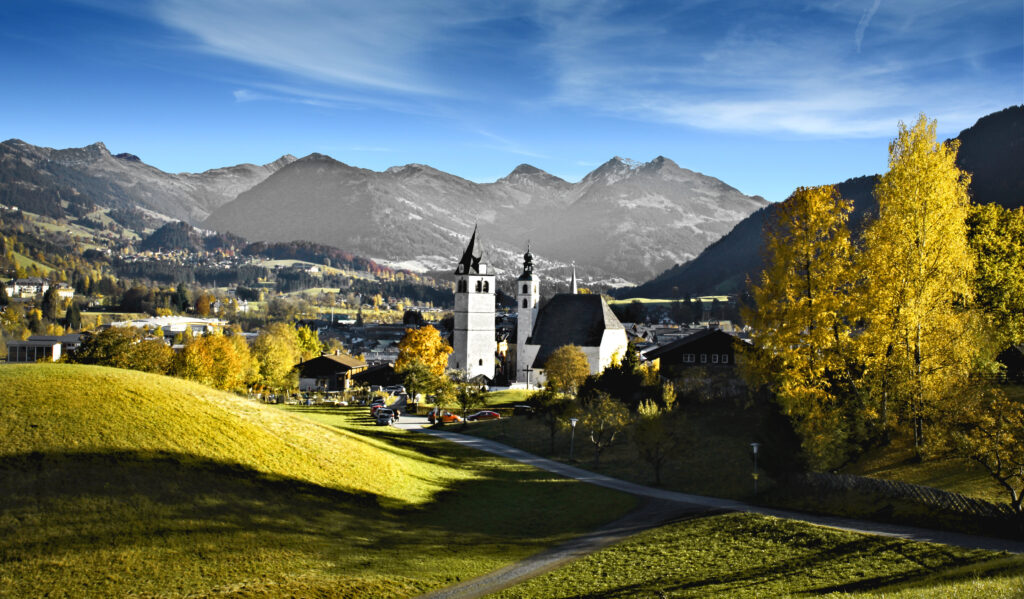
572, 438
755, 447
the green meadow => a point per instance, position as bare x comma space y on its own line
743, 555
122, 483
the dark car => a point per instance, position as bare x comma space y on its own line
522, 410
385, 416
483, 415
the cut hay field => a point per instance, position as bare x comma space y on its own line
116, 483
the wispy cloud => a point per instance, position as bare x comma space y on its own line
505, 145
858, 36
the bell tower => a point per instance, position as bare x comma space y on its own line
527, 298
474, 342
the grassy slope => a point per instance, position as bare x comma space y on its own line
742, 555
117, 482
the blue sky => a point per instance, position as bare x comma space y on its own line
763, 95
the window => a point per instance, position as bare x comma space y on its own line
703, 358
714, 358
479, 286
487, 287
688, 358
481, 361
725, 358
525, 302
526, 288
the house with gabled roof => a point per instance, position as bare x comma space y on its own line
329, 372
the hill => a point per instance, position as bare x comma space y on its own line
116, 483
992, 150
655, 214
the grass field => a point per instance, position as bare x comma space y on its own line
117, 482
743, 555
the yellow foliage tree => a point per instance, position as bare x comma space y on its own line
566, 369
800, 335
920, 341
425, 346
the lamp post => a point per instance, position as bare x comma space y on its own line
572, 437
755, 447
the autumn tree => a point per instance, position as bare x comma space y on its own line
655, 436
221, 361
276, 350
468, 397
553, 409
124, 347
309, 343
996, 238
919, 342
423, 345
801, 322
604, 419
566, 369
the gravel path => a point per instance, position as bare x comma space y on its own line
660, 507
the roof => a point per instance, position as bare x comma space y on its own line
330, 364
470, 263
571, 320
657, 352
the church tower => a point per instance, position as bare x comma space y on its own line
474, 343
527, 298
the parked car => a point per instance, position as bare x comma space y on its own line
483, 415
446, 417
386, 416
522, 410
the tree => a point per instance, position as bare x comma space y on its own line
219, 361
182, 300
655, 437
309, 343
276, 350
566, 369
420, 379
73, 317
604, 418
988, 428
423, 345
552, 408
919, 340
468, 397
50, 303
124, 347
4, 299
996, 238
800, 334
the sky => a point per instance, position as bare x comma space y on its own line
766, 96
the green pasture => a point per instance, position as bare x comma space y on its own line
118, 483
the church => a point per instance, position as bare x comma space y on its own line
584, 320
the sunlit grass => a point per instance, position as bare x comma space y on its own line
116, 482
742, 555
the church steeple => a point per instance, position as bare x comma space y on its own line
573, 289
470, 263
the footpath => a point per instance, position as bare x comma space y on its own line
660, 507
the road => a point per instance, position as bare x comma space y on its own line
661, 506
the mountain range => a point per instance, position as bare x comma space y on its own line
992, 151
624, 221
39, 179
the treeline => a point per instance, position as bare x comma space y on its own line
315, 253
895, 331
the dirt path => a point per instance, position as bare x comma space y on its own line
660, 507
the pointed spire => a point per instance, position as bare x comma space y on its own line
574, 291
470, 262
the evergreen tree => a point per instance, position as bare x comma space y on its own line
73, 317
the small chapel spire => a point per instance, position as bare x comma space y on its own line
574, 291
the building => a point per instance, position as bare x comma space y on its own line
709, 348
329, 372
584, 320
473, 343
29, 351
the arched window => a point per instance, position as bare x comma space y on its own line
524, 303
479, 285
462, 285
487, 287
526, 288
481, 361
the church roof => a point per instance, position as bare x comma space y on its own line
470, 263
571, 320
